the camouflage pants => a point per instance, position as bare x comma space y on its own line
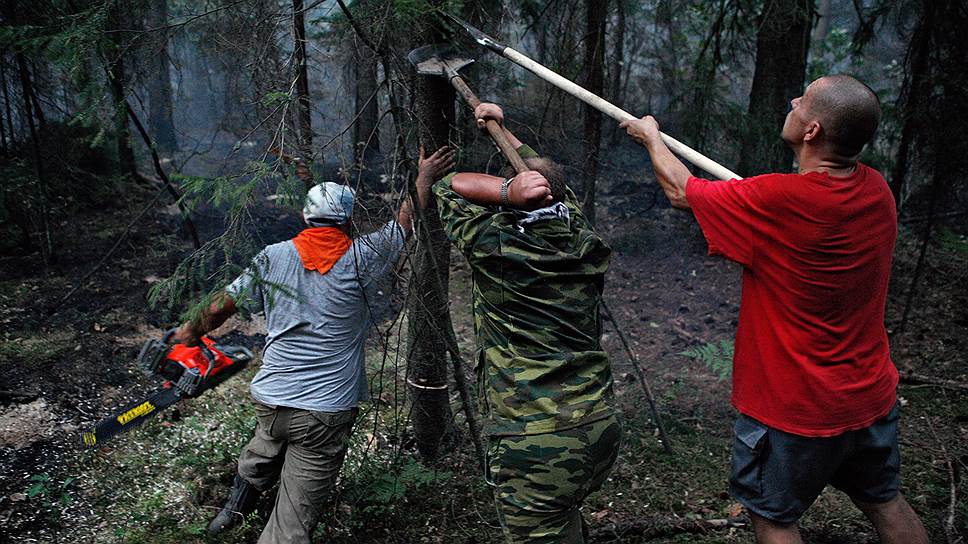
541, 480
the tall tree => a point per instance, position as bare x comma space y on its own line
595, 15
618, 63
933, 103
366, 135
117, 83
303, 104
6, 98
538, 26
704, 89
429, 318
3, 117
671, 41
781, 55
159, 78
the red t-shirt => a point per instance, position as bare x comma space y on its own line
811, 353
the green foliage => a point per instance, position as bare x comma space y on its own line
39, 349
953, 242
380, 492
49, 492
274, 99
717, 357
76, 171
833, 54
199, 278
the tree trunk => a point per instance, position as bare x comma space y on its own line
6, 101
704, 88
3, 127
40, 214
428, 311
618, 63
366, 131
665, 19
913, 101
159, 79
595, 11
117, 82
303, 105
823, 22
533, 13
781, 54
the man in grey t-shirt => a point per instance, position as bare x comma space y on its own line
320, 292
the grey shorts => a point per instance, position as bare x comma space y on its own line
778, 475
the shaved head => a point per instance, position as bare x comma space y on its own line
848, 111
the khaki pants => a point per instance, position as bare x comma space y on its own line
304, 451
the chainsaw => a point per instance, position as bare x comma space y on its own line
188, 372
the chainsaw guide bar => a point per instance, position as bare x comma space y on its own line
188, 371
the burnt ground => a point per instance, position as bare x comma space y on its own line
63, 371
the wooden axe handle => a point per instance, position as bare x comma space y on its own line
493, 128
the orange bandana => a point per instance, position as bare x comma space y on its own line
320, 247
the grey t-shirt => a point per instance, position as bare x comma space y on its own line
316, 324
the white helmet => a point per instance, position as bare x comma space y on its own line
329, 203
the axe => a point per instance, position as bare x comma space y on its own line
443, 60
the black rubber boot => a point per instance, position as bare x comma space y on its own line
241, 503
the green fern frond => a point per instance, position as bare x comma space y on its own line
717, 357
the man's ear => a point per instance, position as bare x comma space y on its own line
813, 132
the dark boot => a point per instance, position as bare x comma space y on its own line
241, 503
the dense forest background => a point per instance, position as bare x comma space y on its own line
149, 148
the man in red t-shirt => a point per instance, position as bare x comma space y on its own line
812, 375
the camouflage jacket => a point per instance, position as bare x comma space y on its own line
537, 292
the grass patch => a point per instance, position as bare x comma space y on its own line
38, 348
953, 242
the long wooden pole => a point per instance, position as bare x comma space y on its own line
717, 170
613, 111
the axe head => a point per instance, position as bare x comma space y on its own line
438, 60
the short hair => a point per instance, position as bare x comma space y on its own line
849, 112
552, 171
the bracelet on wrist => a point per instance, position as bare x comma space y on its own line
505, 186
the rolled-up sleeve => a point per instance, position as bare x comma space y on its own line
247, 291
463, 221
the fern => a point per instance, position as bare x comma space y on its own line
717, 357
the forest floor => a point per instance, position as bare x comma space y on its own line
163, 482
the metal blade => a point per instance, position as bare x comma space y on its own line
478, 36
438, 60
133, 415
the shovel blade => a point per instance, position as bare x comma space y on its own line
437, 59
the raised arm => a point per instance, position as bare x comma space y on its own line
209, 319
671, 173
488, 110
527, 191
429, 170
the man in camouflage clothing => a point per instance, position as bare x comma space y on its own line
538, 269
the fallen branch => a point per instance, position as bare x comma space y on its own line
659, 526
666, 444
950, 531
166, 182
910, 378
